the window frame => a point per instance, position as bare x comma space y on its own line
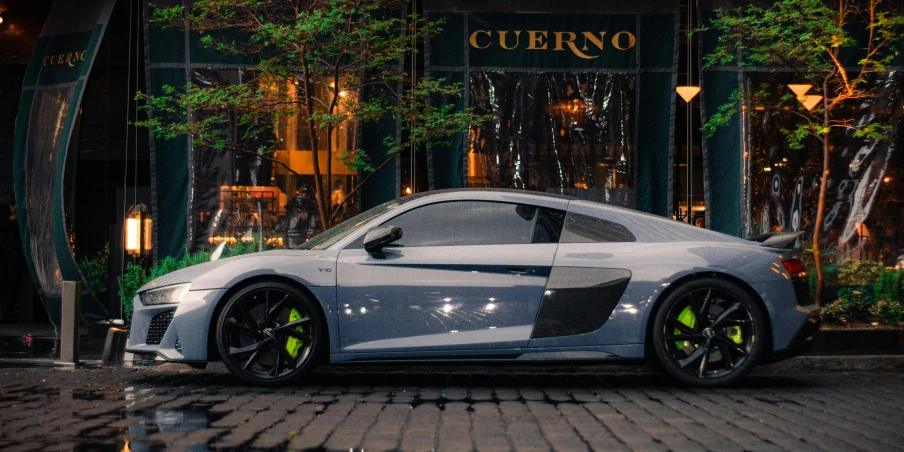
358, 242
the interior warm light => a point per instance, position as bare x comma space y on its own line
886, 179
133, 234
800, 89
810, 100
688, 92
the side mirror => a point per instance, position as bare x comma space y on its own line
380, 236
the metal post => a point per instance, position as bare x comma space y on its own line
70, 320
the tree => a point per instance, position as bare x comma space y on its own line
321, 63
807, 38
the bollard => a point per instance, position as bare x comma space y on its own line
70, 320
115, 346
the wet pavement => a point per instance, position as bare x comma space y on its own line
444, 408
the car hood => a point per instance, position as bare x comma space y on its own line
312, 268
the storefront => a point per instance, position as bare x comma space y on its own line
583, 102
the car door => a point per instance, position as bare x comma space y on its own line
465, 275
584, 302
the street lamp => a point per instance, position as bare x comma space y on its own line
138, 230
687, 92
808, 100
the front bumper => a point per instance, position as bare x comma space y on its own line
805, 338
176, 332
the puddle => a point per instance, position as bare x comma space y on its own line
12, 347
181, 422
87, 395
19, 348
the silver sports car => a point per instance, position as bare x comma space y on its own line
489, 275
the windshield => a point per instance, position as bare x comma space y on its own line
336, 233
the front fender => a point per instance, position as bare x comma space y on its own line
309, 268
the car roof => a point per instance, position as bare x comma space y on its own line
452, 191
645, 226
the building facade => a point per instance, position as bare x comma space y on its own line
583, 102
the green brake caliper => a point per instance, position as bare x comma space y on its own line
734, 333
687, 317
294, 344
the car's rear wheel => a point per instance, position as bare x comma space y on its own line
270, 333
708, 333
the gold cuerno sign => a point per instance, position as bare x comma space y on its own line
69, 59
582, 44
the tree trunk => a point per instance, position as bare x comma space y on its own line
820, 205
315, 158
329, 174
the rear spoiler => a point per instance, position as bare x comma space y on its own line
782, 240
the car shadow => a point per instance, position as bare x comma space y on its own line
388, 377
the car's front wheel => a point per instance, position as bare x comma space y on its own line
708, 333
269, 333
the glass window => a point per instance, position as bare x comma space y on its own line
566, 133
460, 223
341, 230
586, 229
549, 225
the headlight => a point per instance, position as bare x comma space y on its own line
163, 295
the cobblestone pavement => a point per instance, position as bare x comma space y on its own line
445, 408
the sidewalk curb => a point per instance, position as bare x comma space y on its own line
835, 363
49, 363
796, 365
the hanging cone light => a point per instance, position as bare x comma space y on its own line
687, 92
800, 89
810, 100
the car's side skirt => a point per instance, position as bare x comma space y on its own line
596, 353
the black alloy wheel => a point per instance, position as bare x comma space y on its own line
269, 333
708, 333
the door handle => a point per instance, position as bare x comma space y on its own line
518, 270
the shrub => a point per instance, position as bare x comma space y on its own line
132, 279
135, 276
888, 285
858, 273
94, 270
889, 312
852, 304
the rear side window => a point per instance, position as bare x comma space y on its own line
581, 228
548, 225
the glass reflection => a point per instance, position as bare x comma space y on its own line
265, 199
865, 199
570, 133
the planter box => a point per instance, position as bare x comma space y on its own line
859, 342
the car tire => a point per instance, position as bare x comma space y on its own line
270, 333
708, 333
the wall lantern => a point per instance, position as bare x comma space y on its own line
139, 236
808, 100
687, 92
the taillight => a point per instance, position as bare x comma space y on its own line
795, 268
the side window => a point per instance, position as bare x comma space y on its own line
460, 223
548, 227
586, 229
